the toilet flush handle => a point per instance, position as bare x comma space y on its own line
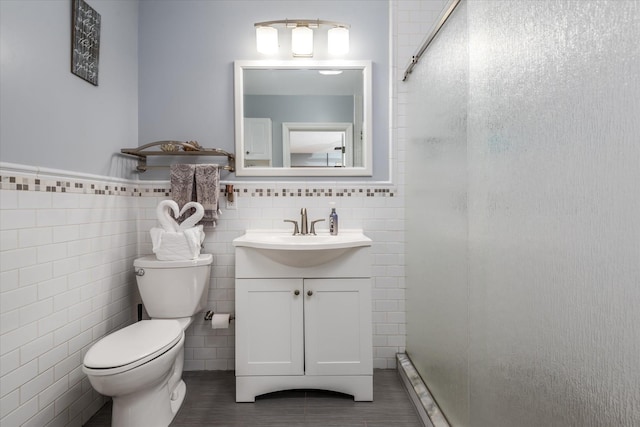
140, 272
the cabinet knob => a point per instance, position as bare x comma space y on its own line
309, 293
296, 292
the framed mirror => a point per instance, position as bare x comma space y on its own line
303, 118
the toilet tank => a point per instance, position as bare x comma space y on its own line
173, 289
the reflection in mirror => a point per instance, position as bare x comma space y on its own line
310, 118
328, 145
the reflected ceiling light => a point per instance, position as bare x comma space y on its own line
302, 36
267, 40
338, 41
330, 72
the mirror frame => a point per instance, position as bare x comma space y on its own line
365, 66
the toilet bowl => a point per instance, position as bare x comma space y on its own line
140, 366
133, 365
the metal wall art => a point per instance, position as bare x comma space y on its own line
85, 41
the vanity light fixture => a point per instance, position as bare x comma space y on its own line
338, 41
267, 40
302, 41
302, 36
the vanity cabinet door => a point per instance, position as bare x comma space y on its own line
338, 326
269, 327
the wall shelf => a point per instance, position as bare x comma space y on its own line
181, 149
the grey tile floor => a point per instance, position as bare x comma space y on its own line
210, 401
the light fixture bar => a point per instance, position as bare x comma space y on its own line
302, 36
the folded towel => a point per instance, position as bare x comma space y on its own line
194, 237
175, 246
156, 238
208, 191
182, 189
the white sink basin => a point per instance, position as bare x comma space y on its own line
302, 251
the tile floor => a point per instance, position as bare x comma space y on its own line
210, 401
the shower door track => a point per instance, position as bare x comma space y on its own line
425, 45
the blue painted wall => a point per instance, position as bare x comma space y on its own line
187, 50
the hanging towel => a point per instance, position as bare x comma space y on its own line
207, 192
198, 183
182, 188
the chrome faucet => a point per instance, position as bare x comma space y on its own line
304, 224
304, 227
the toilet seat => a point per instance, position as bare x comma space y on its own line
132, 346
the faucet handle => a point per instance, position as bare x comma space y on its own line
296, 231
313, 225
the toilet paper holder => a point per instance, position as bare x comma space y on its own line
209, 315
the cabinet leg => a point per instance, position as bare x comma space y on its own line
245, 397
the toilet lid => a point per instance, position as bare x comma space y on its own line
134, 345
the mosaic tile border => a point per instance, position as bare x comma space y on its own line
139, 189
76, 186
314, 192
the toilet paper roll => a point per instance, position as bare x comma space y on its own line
220, 321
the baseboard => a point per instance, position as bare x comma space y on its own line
427, 408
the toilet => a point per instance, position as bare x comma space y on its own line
140, 366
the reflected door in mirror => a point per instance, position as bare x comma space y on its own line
321, 145
258, 142
317, 148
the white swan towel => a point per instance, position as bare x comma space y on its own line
175, 242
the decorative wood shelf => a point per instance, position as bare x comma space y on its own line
144, 151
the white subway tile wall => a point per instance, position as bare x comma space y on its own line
65, 266
67, 277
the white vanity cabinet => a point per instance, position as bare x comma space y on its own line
303, 327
